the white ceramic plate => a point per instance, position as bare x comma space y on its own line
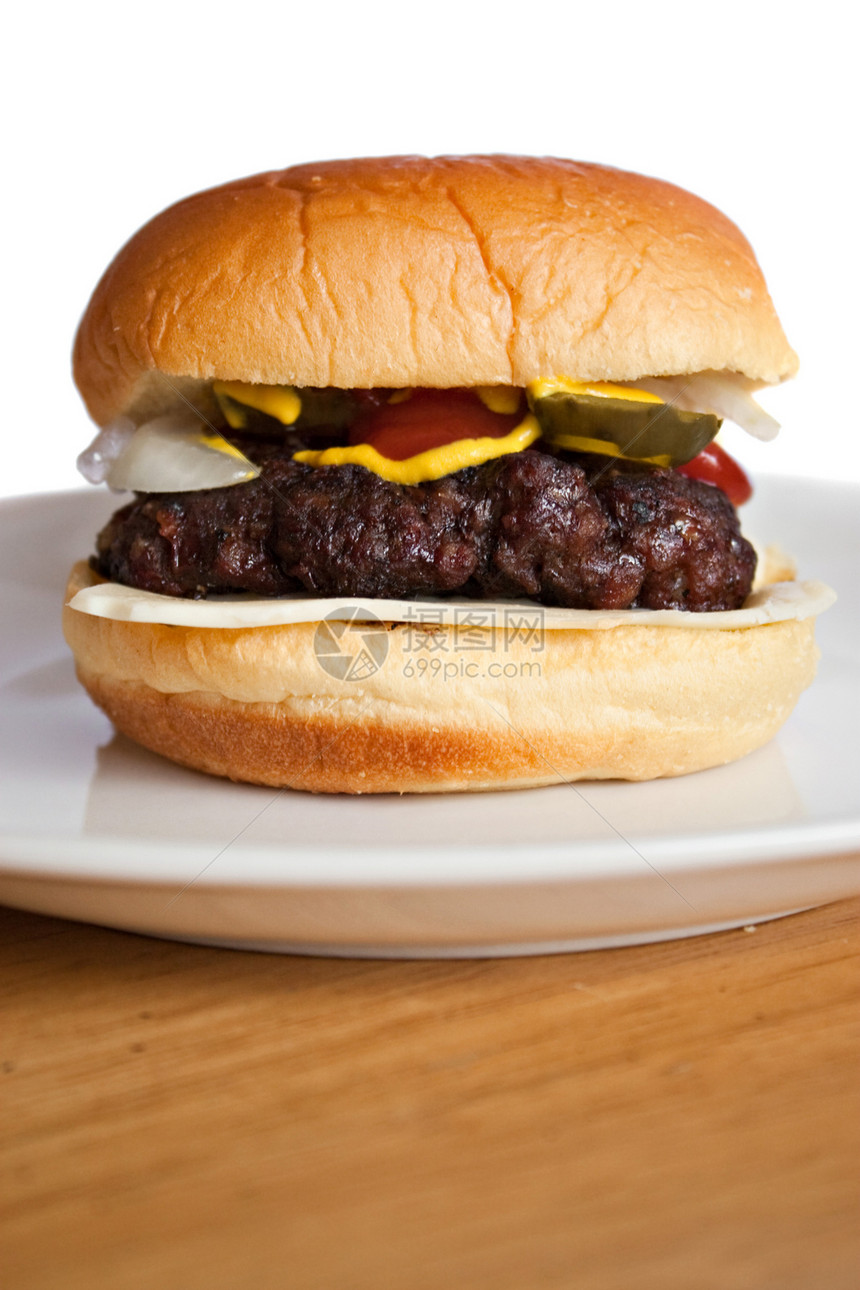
94, 828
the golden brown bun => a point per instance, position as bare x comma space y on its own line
410, 271
630, 703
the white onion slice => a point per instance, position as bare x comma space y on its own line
727, 394
95, 462
177, 453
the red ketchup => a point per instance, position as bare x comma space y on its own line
714, 466
429, 419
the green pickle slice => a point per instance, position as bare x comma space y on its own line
282, 406
658, 434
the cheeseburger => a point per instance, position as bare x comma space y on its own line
426, 494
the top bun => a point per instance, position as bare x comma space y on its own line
414, 271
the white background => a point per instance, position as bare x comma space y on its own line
117, 111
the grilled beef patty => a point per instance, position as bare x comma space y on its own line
525, 525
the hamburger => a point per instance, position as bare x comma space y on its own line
425, 489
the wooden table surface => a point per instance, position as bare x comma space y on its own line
678, 1115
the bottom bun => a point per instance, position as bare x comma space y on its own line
271, 705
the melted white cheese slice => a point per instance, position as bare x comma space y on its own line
772, 604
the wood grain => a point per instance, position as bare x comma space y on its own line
680, 1115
